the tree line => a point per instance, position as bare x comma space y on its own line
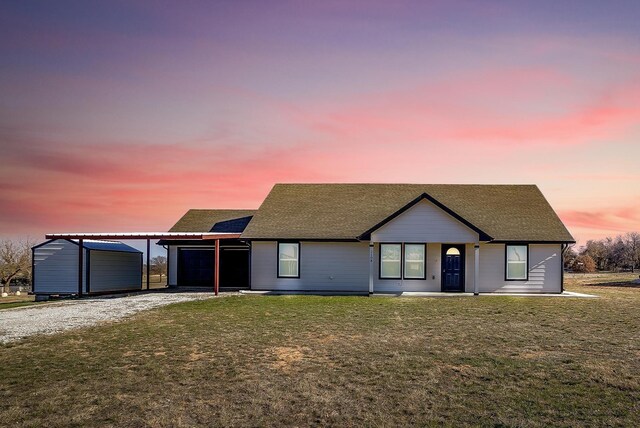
617, 254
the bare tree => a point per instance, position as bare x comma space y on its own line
631, 242
159, 266
569, 257
15, 260
598, 251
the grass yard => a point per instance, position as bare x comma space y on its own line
347, 361
13, 301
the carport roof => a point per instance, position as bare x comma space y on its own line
168, 236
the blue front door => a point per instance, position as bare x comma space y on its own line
452, 267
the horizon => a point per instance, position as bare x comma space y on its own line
122, 116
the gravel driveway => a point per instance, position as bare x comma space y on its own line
55, 317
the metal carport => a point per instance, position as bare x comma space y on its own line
148, 236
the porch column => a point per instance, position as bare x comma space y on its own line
370, 268
476, 271
216, 269
80, 262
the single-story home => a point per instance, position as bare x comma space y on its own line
378, 238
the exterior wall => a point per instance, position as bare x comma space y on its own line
173, 266
425, 222
544, 270
329, 266
56, 268
433, 273
114, 270
337, 266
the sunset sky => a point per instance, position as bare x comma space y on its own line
121, 115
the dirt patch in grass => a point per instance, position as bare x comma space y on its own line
286, 356
339, 361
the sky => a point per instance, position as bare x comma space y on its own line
122, 115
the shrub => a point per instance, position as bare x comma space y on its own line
584, 263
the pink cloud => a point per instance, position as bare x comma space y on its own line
603, 221
495, 107
137, 186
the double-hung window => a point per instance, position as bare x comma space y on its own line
390, 261
414, 261
399, 261
517, 261
288, 260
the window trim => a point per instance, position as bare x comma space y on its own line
424, 262
506, 261
278, 259
392, 278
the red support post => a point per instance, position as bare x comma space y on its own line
216, 275
148, 261
80, 262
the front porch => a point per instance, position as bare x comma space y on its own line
428, 267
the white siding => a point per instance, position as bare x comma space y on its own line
432, 283
335, 266
114, 270
434, 269
544, 270
330, 266
424, 222
56, 268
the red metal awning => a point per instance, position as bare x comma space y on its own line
168, 236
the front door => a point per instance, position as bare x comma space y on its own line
452, 267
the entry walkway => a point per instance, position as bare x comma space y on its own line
440, 294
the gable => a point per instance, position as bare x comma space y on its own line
424, 222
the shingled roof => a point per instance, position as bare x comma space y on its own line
230, 221
349, 211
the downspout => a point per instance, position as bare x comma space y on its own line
370, 268
562, 251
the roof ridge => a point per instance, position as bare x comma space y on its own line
406, 184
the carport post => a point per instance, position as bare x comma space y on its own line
148, 261
80, 254
216, 275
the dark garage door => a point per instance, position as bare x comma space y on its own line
196, 267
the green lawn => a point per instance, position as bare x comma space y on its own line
347, 361
13, 301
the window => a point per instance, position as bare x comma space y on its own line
414, 260
288, 260
390, 261
517, 262
453, 252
